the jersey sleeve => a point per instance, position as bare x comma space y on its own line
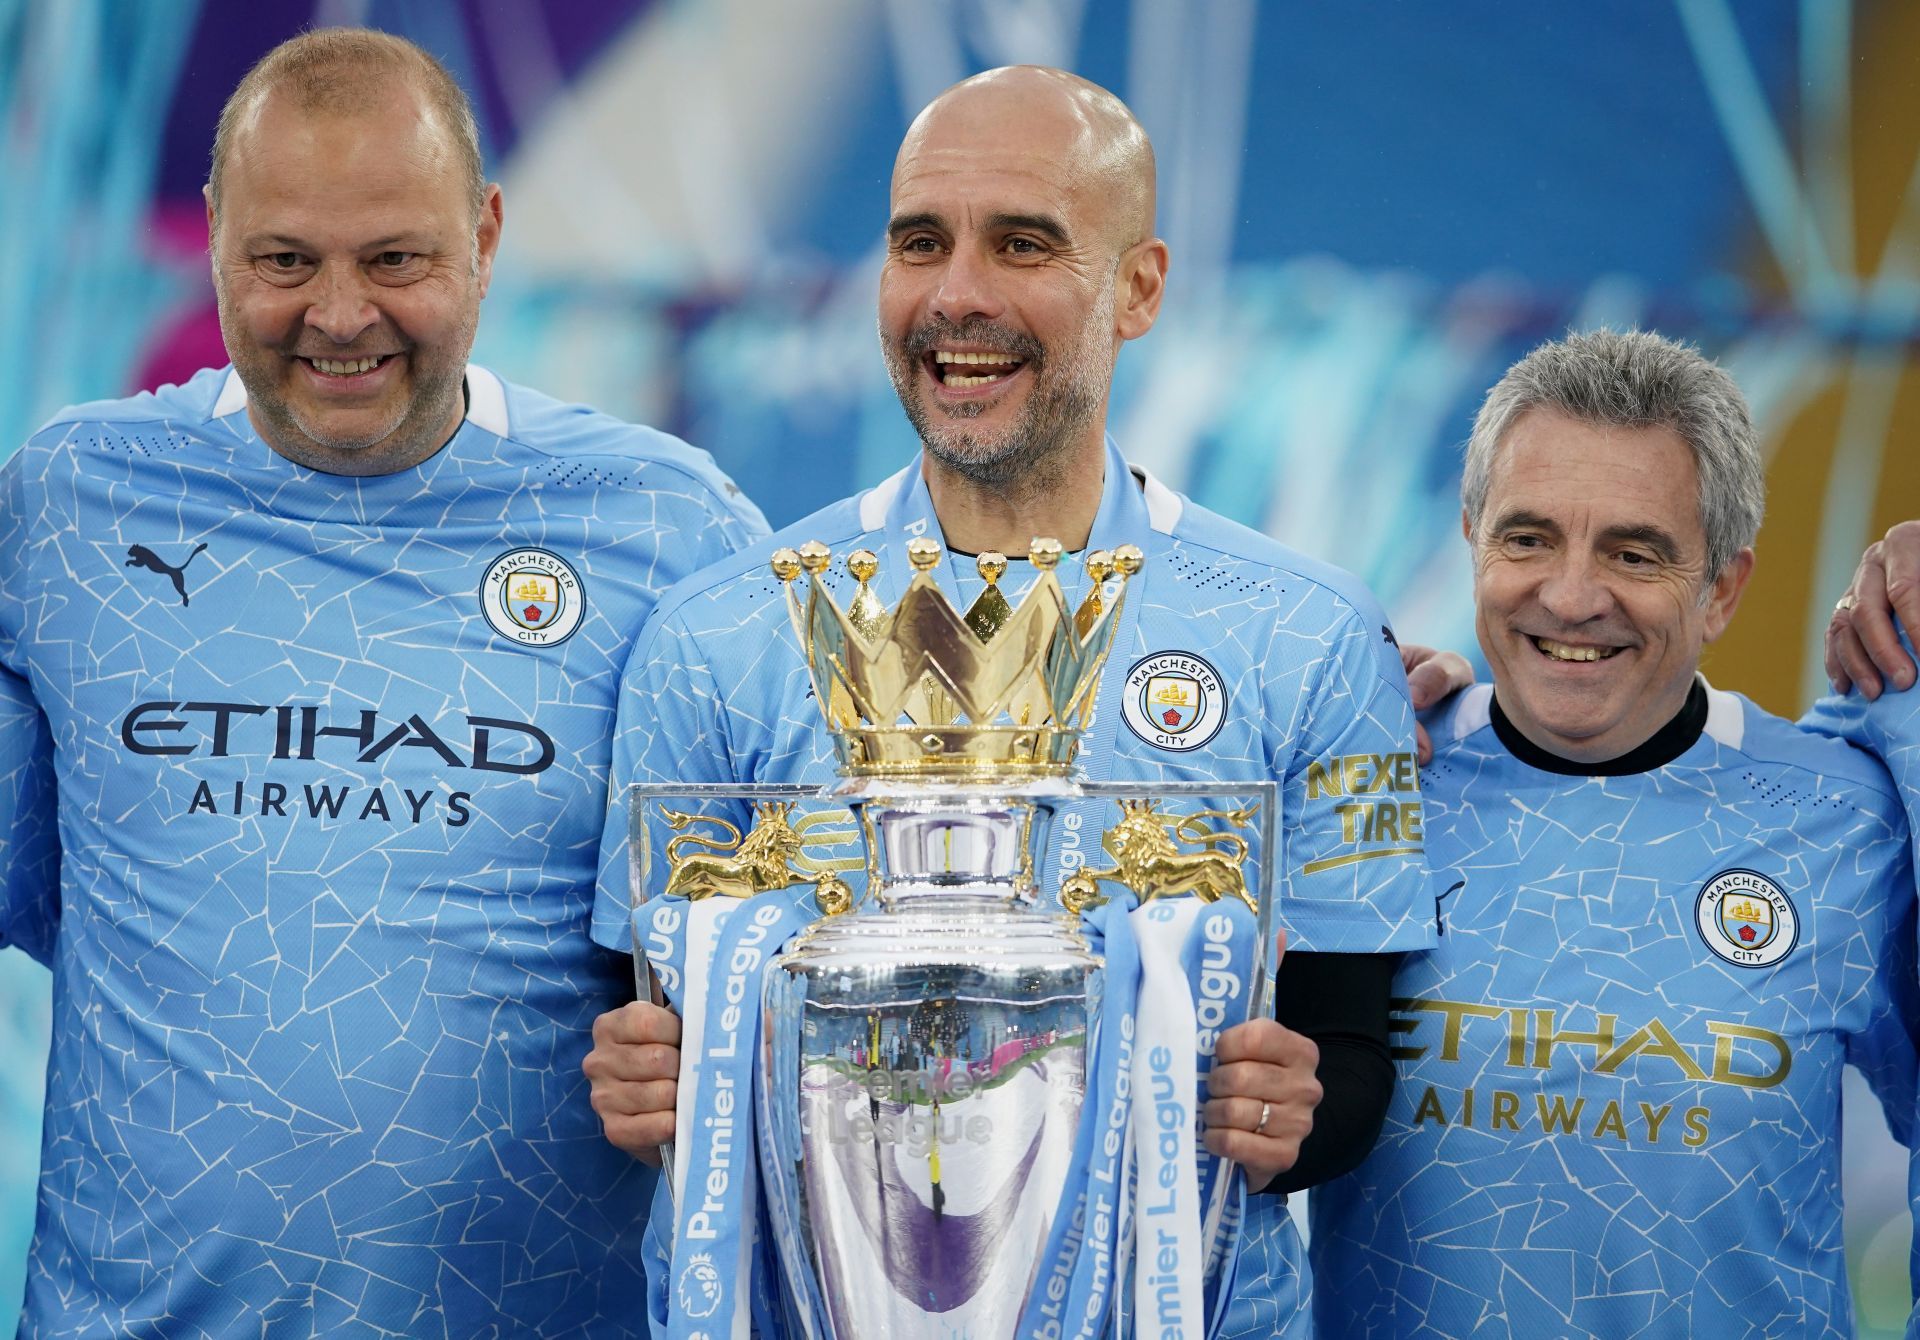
669, 727
1353, 875
1883, 1047
29, 828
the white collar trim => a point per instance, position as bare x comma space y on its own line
876, 500
486, 399
1475, 711
1725, 721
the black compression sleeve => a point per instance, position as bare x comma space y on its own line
1341, 1002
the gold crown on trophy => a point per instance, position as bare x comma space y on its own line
924, 690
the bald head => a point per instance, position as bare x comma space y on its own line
352, 72
1068, 127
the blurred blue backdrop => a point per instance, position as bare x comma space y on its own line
1373, 208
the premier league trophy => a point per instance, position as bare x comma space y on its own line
958, 1089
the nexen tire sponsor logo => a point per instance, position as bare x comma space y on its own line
295, 733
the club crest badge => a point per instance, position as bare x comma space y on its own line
1746, 919
532, 597
1174, 700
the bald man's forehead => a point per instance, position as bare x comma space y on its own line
1038, 142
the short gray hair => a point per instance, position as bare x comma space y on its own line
1636, 379
345, 70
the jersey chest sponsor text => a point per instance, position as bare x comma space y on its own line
291, 754
1529, 1044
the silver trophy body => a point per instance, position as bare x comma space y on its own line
933, 1047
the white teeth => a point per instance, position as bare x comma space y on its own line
947, 356
971, 381
1560, 651
334, 367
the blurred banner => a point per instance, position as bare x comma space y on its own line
1373, 208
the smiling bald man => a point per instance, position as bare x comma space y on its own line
1020, 258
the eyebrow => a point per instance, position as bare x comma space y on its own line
1044, 224
396, 242
1655, 538
1520, 518
907, 223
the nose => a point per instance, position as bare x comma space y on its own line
967, 287
1574, 590
342, 307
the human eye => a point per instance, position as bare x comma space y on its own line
397, 267
918, 246
283, 267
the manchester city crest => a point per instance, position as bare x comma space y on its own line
1746, 919
1175, 700
532, 597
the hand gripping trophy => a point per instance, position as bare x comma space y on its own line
959, 1100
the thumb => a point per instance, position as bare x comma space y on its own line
1279, 947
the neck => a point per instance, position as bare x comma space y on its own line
1059, 500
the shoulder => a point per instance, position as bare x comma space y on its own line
744, 578
150, 423
590, 448
190, 402
1340, 597
1773, 742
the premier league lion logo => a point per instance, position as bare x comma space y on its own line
699, 1286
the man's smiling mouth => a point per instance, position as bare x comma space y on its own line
1564, 651
345, 367
959, 369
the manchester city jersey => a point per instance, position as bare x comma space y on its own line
331, 758
1234, 659
1889, 727
1620, 1070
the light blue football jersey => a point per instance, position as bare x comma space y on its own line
1620, 1070
331, 759
1889, 727
1285, 670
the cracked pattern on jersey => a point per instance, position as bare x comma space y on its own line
322, 986
1602, 1126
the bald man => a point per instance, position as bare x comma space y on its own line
307, 675
1020, 258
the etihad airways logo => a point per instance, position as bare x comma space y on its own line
293, 733
1544, 1058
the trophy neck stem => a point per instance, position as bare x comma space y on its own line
955, 843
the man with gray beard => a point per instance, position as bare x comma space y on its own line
1020, 258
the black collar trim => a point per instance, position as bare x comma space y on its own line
1658, 750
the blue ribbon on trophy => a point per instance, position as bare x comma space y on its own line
955, 1094
1074, 1288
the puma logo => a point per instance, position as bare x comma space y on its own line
139, 556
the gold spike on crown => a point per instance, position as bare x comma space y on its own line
924, 690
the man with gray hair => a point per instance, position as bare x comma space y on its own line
307, 680
1669, 919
